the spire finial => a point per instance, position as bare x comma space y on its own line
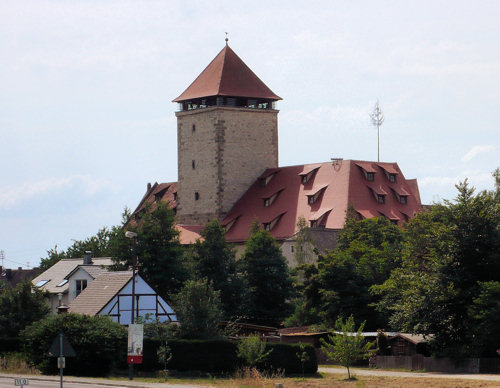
227, 39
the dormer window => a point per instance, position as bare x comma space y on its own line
403, 199
265, 178
380, 198
308, 173
271, 224
391, 177
268, 201
370, 176
312, 198
80, 286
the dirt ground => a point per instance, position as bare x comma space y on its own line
340, 381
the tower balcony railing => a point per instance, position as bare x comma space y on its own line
235, 102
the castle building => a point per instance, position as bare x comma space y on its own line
227, 139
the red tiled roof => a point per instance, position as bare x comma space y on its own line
341, 186
227, 75
158, 192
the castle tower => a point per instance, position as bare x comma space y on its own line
227, 135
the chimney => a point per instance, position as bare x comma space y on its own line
149, 186
19, 268
87, 258
8, 273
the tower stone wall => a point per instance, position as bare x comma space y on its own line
221, 152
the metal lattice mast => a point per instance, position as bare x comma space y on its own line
377, 117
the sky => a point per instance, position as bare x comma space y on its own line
86, 118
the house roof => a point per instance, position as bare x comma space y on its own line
98, 294
93, 270
337, 186
414, 338
331, 187
59, 271
227, 75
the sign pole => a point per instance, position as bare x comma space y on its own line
61, 358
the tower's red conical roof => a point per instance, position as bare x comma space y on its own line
227, 75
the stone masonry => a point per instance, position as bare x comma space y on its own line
221, 152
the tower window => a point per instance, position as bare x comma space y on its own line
193, 164
193, 128
196, 195
175, 196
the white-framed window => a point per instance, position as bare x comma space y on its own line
81, 284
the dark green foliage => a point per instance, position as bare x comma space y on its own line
214, 259
366, 253
268, 281
19, 307
198, 309
8, 345
99, 343
448, 281
158, 250
220, 356
283, 357
308, 301
252, 350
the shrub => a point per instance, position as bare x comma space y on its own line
99, 343
283, 357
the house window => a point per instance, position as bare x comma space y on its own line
80, 286
193, 164
62, 283
403, 199
392, 178
314, 224
196, 196
370, 176
380, 198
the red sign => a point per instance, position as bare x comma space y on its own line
134, 359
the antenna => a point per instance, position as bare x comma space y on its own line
378, 118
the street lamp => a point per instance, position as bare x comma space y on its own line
133, 236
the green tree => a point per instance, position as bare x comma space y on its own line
303, 356
268, 281
99, 343
158, 250
214, 259
20, 306
252, 350
347, 345
367, 252
198, 309
450, 265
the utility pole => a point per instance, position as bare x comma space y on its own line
2, 257
377, 117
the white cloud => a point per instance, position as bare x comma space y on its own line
13, 195
476, 150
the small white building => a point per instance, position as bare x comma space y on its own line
111, 294
67, 278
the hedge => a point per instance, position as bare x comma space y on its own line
220, 356
8, 345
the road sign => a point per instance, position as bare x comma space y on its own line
135, 340
67, 349
21, 382
61, 362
